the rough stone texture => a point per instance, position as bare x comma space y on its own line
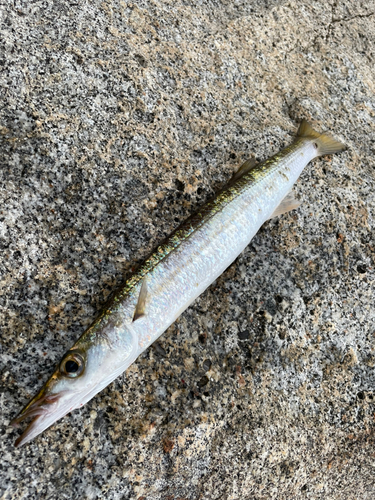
117, 121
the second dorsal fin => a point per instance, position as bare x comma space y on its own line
244, 169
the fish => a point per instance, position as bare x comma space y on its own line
175, 274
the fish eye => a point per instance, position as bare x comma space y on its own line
72, 364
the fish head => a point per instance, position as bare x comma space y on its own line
83, 371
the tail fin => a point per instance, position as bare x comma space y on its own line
325, 143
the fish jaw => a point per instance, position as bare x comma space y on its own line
44, 410
60, 395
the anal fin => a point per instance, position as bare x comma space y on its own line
287, 204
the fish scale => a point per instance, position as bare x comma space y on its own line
179, 270
198, 252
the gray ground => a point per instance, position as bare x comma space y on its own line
118, 120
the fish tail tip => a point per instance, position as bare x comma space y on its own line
325, 143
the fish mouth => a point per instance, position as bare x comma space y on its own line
43, 411
46, 409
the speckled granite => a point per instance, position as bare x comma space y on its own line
119, 119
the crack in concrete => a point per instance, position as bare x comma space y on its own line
345, 19
350, 18
329, 26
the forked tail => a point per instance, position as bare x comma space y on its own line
325, 143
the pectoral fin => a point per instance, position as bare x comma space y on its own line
288, 203
141, 303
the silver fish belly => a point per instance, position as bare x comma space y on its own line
171, 279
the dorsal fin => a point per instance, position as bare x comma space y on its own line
141, 303
244, 169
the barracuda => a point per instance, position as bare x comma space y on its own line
177, 272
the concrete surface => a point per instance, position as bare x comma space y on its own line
117, 121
